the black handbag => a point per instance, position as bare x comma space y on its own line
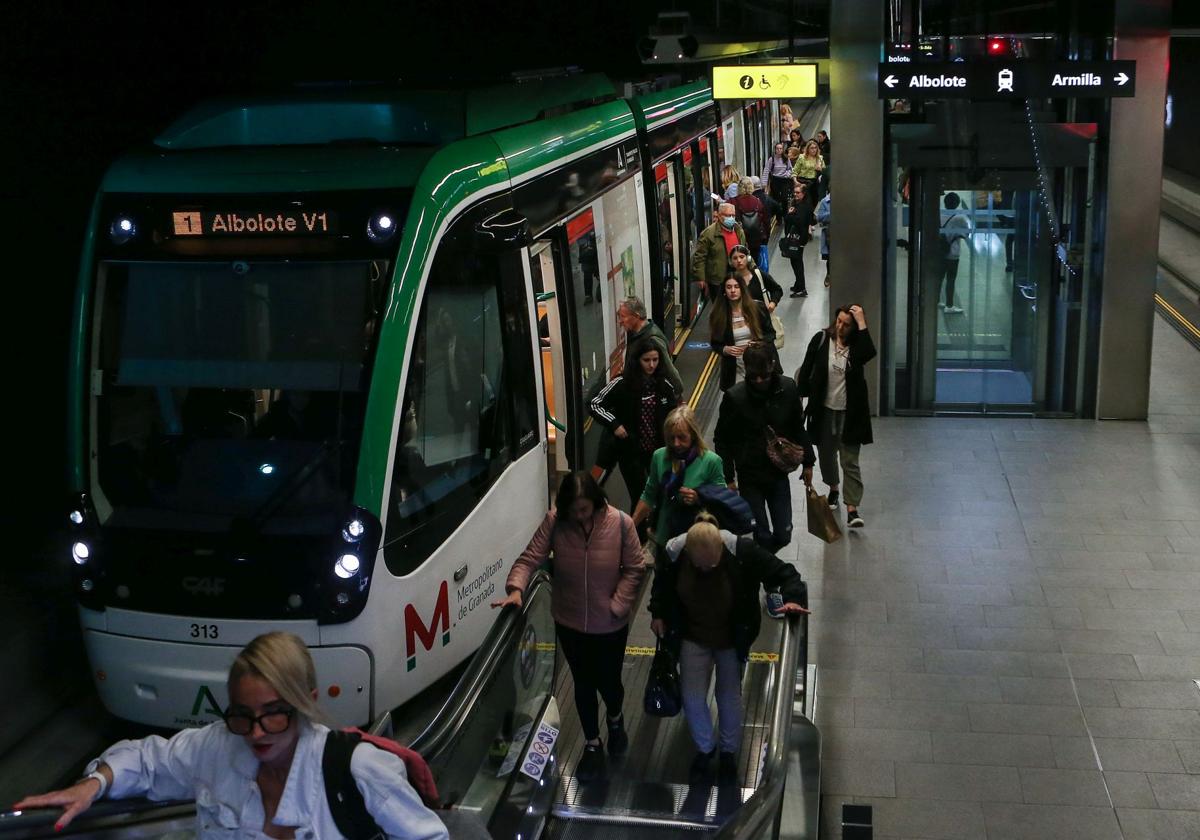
663, 697
791, 246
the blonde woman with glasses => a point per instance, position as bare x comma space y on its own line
257, 773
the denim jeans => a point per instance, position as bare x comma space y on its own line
774, 497
695, 672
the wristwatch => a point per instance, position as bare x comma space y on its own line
99, 777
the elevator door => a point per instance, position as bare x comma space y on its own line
988, 285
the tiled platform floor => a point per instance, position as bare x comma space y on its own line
1008, 650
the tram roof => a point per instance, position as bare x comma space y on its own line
350, 138
378, 116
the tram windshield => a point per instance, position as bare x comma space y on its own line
231, 390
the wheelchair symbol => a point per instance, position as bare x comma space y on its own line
765, 84
1004, 81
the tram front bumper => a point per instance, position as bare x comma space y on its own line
178, 685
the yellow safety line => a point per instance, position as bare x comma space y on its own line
1177, 315
642, 650
702, 383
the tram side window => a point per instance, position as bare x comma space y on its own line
469, 406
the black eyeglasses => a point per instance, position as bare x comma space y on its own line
272, 722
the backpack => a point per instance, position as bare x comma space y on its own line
751, 225
346, 804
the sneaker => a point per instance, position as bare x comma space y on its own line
826, 282
727, 772
618, 741
775, 605
701, 765
795, 293
591, 763
954, 310
854, 519
802, 293
833, 498
941, 305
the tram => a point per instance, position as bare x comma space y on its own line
331, 350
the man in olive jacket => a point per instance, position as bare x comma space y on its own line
710, 260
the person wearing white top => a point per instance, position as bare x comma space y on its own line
838, 412
258, 773
953, 232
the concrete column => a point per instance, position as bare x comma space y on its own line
856, 186
1131, 216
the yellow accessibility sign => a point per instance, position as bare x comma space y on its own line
765, 81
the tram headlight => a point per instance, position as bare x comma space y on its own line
381, 227
354, 530
347, 566
123, 229
81, 552
77, 517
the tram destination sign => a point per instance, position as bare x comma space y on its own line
998, 80
290, 222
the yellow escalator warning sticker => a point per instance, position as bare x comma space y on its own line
642, 650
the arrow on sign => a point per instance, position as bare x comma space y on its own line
890, 81
1120, 78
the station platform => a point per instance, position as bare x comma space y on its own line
1009, 648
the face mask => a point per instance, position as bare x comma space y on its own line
728, 221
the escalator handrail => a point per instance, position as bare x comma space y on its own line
33, 822
447, 723
764, 803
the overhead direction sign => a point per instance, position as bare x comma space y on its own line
1013, 79
924, 81
765, 81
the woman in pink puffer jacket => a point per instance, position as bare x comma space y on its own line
598, 566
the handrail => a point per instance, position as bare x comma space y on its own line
449, 720
763, 805
103, 814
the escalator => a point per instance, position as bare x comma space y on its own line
647, 792
504, 744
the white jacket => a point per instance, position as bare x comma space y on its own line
217, 769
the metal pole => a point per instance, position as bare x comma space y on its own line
791, 31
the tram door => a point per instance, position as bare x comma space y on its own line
670, 227
553, 360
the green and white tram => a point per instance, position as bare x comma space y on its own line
308, 390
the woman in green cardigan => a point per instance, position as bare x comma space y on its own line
676, 469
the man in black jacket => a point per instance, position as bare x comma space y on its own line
764, 405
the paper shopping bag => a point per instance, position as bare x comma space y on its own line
822, 524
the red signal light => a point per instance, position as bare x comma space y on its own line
997, 46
